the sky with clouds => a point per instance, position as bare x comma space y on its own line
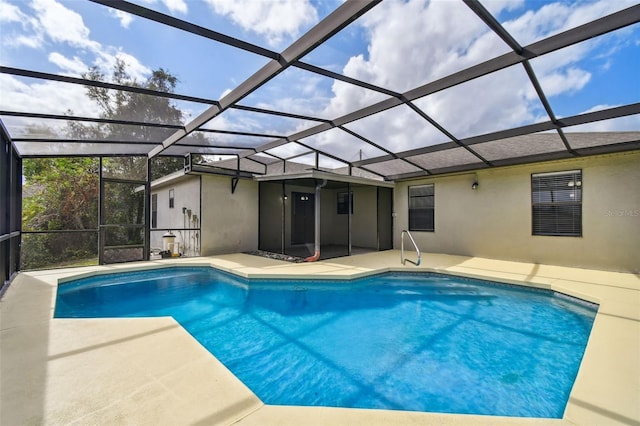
398, 45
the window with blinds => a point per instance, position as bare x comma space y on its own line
421, 208
154, 211
556, 203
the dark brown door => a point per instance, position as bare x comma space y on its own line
302, 218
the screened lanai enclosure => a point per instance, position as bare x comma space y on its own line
290, 206
102, 97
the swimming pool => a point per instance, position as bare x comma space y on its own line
419, 342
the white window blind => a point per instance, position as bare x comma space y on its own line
421, 208
556, 201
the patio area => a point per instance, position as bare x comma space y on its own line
151, 371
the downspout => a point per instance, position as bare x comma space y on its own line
316, 254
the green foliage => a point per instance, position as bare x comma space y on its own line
60, 193
63, 193
162, 166
58, 249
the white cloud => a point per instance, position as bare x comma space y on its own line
58, 24
623, 124
417, 41
62, 24
106, 62
73, 66
179, 6
556, 17
46, 97
490, 103
124, 17
398, 129
497, 6
347, 98
70, 47
10, 13
33, 42
569, 80
273, 19
620, 124
176, 5
294, 90
413, 42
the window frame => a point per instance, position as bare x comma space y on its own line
154, 211
557, 217
343, 200
172, 195
410, 209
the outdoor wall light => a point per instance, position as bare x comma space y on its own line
475, 183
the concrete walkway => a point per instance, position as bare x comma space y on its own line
150, 371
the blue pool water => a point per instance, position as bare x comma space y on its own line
418, 342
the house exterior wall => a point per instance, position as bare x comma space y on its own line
186, 194
364, 222
229, 221
494, 221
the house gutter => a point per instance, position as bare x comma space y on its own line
316, 254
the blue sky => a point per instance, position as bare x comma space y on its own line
398, 45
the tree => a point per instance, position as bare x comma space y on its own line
59, 194
62, 193
131, 106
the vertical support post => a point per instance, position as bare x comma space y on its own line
378, 218
284, 193
17, 209
199, 245
10, 210
6, 209
147, 213
101, 235
349, 200
316, 217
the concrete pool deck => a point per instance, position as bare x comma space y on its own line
151, 371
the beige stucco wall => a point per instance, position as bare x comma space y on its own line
186, 194
495, 220
229, 221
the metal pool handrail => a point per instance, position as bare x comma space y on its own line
402, 258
